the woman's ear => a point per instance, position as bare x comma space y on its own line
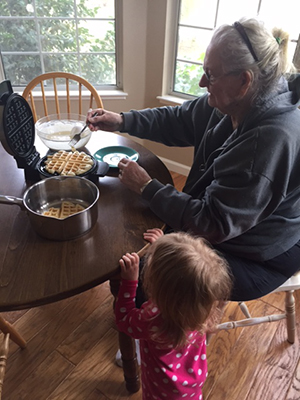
246, 81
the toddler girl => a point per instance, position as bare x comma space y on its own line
183, 279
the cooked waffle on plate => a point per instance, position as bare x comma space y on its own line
66, 209
68, 163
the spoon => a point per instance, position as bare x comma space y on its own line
77, 136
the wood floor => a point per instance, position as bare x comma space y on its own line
72, 346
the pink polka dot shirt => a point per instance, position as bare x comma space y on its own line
167, 373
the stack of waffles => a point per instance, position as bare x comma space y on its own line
68, 163
66, 209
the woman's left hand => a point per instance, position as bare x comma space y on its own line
132, 175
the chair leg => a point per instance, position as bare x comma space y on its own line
244, 309
209, 336
9, 333
6, 327
290, 315
3, 357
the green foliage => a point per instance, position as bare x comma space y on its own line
57, 40
187, 78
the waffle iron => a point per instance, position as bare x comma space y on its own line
17, 130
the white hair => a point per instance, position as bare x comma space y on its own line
270, 49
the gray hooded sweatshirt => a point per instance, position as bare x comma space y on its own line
243, 189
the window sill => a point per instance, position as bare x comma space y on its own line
105, 94
170, 100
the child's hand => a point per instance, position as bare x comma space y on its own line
153, 234
129, 264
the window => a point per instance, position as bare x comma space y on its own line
198, 18
77, 36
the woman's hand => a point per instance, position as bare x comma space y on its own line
104, 120
132, 175
129, 264
153, 234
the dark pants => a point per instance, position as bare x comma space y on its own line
252, 279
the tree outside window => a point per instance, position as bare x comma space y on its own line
76, 36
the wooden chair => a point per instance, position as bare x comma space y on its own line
288, 287
66, 80
9, 332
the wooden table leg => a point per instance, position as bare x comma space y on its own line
130, 365
128, 351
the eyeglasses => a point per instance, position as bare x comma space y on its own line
210, 78
213, 79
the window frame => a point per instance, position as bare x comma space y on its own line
169, 95
110, 90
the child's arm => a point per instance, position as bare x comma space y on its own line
129, 319
151, 235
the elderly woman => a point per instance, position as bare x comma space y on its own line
243, 190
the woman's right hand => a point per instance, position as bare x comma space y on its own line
104, 120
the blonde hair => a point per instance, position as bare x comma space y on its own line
184, 278
271, 49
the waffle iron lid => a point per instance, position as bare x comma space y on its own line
17, 130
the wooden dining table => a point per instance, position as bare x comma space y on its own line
35, 271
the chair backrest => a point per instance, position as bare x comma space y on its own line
65, 79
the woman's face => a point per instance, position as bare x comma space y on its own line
223, 88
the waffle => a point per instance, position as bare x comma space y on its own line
52, 212
66, 209
68, 163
